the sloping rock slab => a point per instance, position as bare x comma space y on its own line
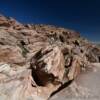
85, 87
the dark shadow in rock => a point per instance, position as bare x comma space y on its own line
99, 58
1, 43
41, 77
61, 38
22, 42
61, 88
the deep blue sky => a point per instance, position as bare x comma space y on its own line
80, 15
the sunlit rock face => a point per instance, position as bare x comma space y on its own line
37, 60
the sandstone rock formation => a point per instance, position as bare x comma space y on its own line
36, 60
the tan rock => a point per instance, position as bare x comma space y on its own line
38, 60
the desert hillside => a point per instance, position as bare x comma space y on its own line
38, 60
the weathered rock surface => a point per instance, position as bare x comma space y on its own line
84, 87
37, 60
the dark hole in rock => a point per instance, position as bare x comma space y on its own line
41, 77
81, 51
22, 42
99, 58
61, 38
36, 78
76, 43
1, 43
51, 31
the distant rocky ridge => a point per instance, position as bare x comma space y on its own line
36, 60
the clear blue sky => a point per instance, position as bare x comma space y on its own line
80, 15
